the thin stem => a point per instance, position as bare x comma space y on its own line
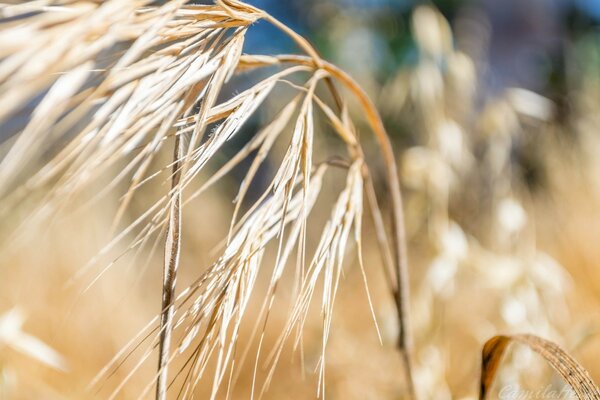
172, 253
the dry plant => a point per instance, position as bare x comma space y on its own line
88, 88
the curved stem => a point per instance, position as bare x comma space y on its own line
308, 48
401, 295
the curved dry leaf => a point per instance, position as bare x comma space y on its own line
573, 373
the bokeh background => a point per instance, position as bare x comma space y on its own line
494, 109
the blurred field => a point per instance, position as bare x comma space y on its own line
502, 203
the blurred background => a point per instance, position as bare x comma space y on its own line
494, 109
